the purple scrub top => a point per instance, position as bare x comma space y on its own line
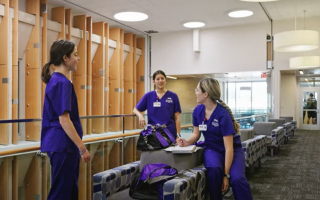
59, 97
161, 115
218, 125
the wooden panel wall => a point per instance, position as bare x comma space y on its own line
98, 67
58, 15
121, 71
89, 76
15, 178
4, 180
44, 44
32, 179
128, 81
140, 68
140, 72
135, 119
14, 5
79, 77
33, 87
114, 82
106, 77
4, 76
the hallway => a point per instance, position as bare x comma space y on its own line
293, 173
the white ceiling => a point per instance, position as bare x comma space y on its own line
169, 15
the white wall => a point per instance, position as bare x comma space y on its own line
228, 49
288, 95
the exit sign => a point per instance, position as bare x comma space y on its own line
263, 75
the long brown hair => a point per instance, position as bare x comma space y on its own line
212, 87
58, 49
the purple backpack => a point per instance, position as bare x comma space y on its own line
149, 182
155, 138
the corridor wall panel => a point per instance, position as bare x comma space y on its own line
114, 81
98, 67
106, 77
5, 75
89, 75
33, 80
14, 5
4, 180
32, 179
128, 81
58, 15
79, 76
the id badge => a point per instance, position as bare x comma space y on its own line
203, 127
157, 104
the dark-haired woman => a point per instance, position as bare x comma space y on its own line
163, 106
223, 155
61, 134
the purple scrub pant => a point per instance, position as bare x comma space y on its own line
64, 177
214, 162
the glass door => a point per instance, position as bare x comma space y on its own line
309, 114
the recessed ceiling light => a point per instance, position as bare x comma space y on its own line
240, 13
258, 0
194, 24
131, 16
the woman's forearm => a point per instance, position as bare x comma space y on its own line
193, 138
178, 124
68, 127
137, 112
228, 160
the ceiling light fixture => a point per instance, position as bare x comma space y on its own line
300, 71
305, 62
258, 0
171, 77
194, 24
297, 40
131, 16
240, 13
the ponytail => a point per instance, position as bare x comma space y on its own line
46, 73
235, 123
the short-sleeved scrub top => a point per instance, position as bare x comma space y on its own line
218, 125
59, 97
165, 113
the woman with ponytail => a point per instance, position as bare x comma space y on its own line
61, 134
223, 155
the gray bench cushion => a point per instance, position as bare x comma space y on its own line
288, 119
279, 122
246, 134
178, 161
263, 128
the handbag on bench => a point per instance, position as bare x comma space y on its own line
154, 138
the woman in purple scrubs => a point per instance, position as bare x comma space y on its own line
163, 106
61, 134
223, 155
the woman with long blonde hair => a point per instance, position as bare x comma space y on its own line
223, 155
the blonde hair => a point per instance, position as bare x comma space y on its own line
212, 87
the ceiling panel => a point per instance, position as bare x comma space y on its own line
169, 15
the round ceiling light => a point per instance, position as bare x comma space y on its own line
131, 16
194, 24
240, 13
305, 62
258, 0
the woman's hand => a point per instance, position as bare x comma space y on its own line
182, 142
86, 157
225, 184
142, 121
